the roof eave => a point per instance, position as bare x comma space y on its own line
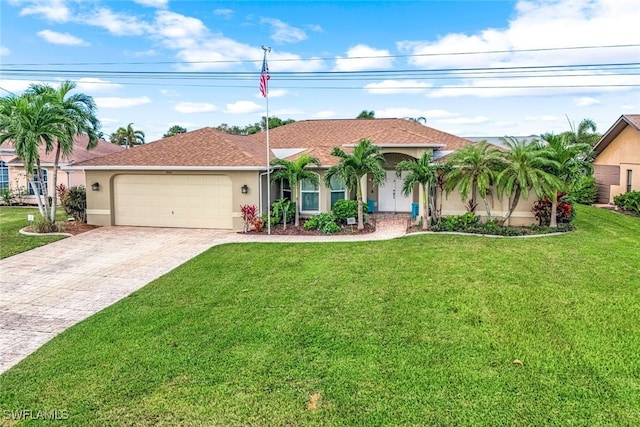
167, 168
402, 145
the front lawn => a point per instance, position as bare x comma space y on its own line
423, 330
12, 219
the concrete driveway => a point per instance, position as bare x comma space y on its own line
46, 290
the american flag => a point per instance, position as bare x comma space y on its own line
264, 76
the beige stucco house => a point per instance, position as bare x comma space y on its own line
13, 177
201, 178
617, 162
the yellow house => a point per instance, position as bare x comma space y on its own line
201, 178
617, 162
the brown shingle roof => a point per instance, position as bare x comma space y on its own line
330, 133
202, 147
79, 154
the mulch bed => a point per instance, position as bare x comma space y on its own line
71, 227
300, 231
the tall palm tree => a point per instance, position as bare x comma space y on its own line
79, 114
28, 122
295, 172
424, 173
366, 158
473, 170
526, 170
585, 133
128, 136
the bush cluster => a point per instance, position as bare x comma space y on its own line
470, 223
542, 210
343, 209
629, 201
324, 222
583, 190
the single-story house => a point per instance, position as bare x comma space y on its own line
12, 173
617, 162
201, 178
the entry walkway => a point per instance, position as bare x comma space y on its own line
48, 289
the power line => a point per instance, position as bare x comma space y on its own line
251, 61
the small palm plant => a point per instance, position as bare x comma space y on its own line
423, 172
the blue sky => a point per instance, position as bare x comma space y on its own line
400, 59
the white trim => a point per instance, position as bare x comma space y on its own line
98, 212
171, 168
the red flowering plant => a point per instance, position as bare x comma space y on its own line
249, 214
542, 210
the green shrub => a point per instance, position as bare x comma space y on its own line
7, 196
583, 190
74, 202
457, 222
43, 225
564, 212
330, 228
318, 221
343, 209
278, 208
629, 201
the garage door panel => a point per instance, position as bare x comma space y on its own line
195, 201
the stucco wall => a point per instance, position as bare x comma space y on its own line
17, 179
623, 151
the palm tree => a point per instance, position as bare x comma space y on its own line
473, 170
366, 158
585, 133
423, 172
28, 122
526, 170
364, 114
295, 172
79, 114
128, 136
421, 120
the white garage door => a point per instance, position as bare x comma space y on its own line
191, 201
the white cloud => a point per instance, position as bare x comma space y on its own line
108, 120
395, 112
388, 87
118, 102
16, 85
243, 107
225, 13
94, 84
4, 51
274, 93
194, 107
464, 120
628, 107
585, 101
161, 4
283, 32
169, 92
53, 10
324, 114
141, 53
541, 118
315, 28
116, 23
67, 39
178, 31
362, 57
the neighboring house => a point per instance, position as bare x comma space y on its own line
12, 173
201, 178
617, 163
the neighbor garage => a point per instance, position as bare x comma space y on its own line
173, 200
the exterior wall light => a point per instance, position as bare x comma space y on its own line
245, 189
95, 186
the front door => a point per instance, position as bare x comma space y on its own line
390, 197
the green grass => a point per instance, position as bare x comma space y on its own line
415, 331
12, 219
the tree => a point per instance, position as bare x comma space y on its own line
585, 133
128, 136
525, 170
51, 117
473, 170
364, 114
421, 172
295, 172
366, 158
250, 129
570, 162
174, 130
421, 120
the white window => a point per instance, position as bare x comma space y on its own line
4, 175
310, 196
338, 190
39, 185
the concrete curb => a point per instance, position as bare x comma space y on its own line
30, 233
458, 233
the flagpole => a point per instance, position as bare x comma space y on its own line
266, 95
